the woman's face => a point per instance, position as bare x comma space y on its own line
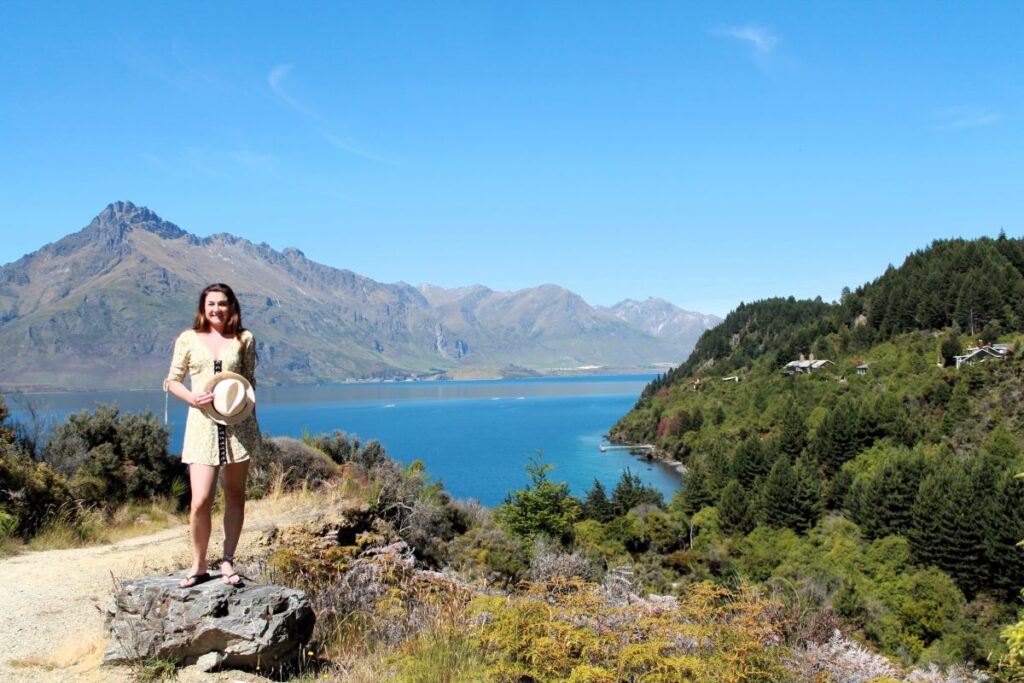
217, 309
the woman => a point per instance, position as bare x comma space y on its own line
216, 343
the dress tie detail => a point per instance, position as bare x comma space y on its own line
222, 431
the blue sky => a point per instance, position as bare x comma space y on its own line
705, 153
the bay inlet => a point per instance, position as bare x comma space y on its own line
475, 436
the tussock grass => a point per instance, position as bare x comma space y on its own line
9, 546
438, 654
71, 527
139, 519
280, 502
442, 655
154, 671
77, 527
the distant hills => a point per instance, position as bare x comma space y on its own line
100, 309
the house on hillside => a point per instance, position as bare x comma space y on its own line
862, 367
805, 365
984, 352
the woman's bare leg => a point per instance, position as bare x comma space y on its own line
203, 479
234, 512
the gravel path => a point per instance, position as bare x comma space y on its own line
52, 605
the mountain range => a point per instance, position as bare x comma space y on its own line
100, 308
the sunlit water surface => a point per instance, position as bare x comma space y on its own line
474, 436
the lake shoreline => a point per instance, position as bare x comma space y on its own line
651, 372
474, 435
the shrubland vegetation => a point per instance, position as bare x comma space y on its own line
98, 476
411, 585
832, 527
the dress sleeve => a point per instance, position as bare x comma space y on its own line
179, 361
249, 358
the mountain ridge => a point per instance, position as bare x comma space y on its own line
134, 273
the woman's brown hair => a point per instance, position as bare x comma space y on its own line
233, 325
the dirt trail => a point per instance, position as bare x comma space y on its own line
52, 604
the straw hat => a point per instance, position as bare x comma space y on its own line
233, 398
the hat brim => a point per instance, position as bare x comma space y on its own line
241, 415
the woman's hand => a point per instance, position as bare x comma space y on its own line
201, 398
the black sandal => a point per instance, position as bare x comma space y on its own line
194, 580
234, 579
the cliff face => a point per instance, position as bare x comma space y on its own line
100, 309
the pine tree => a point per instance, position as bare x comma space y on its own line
880, 500
697, 493
752, 460
945, 529
734, 513
596, 505
632, 491
778, 506
958, 408
885, 416
543, 508
1004, 528
838, 437
794, 430
807, 494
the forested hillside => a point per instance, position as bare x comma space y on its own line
977, 285
897, 462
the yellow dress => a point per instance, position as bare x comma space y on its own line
206, 442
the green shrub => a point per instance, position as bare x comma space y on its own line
30, 492
543, 508
342, 448
8, 525
112, 457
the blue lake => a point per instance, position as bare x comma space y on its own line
474, 436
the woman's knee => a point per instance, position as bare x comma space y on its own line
202, 503
234, 497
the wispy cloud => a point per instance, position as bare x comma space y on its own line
955, 118
275, 80
353, 147
761, 39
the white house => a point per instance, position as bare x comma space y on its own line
805, 365
981, 353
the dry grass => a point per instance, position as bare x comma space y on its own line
84, 527
81, 528
142, 519
9, 546
70, 528
80, 656
280, 503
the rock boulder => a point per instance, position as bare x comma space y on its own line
245, 627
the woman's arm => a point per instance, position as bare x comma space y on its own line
249, 358
196, 400
179, 366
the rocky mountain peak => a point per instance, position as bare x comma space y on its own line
120, 218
